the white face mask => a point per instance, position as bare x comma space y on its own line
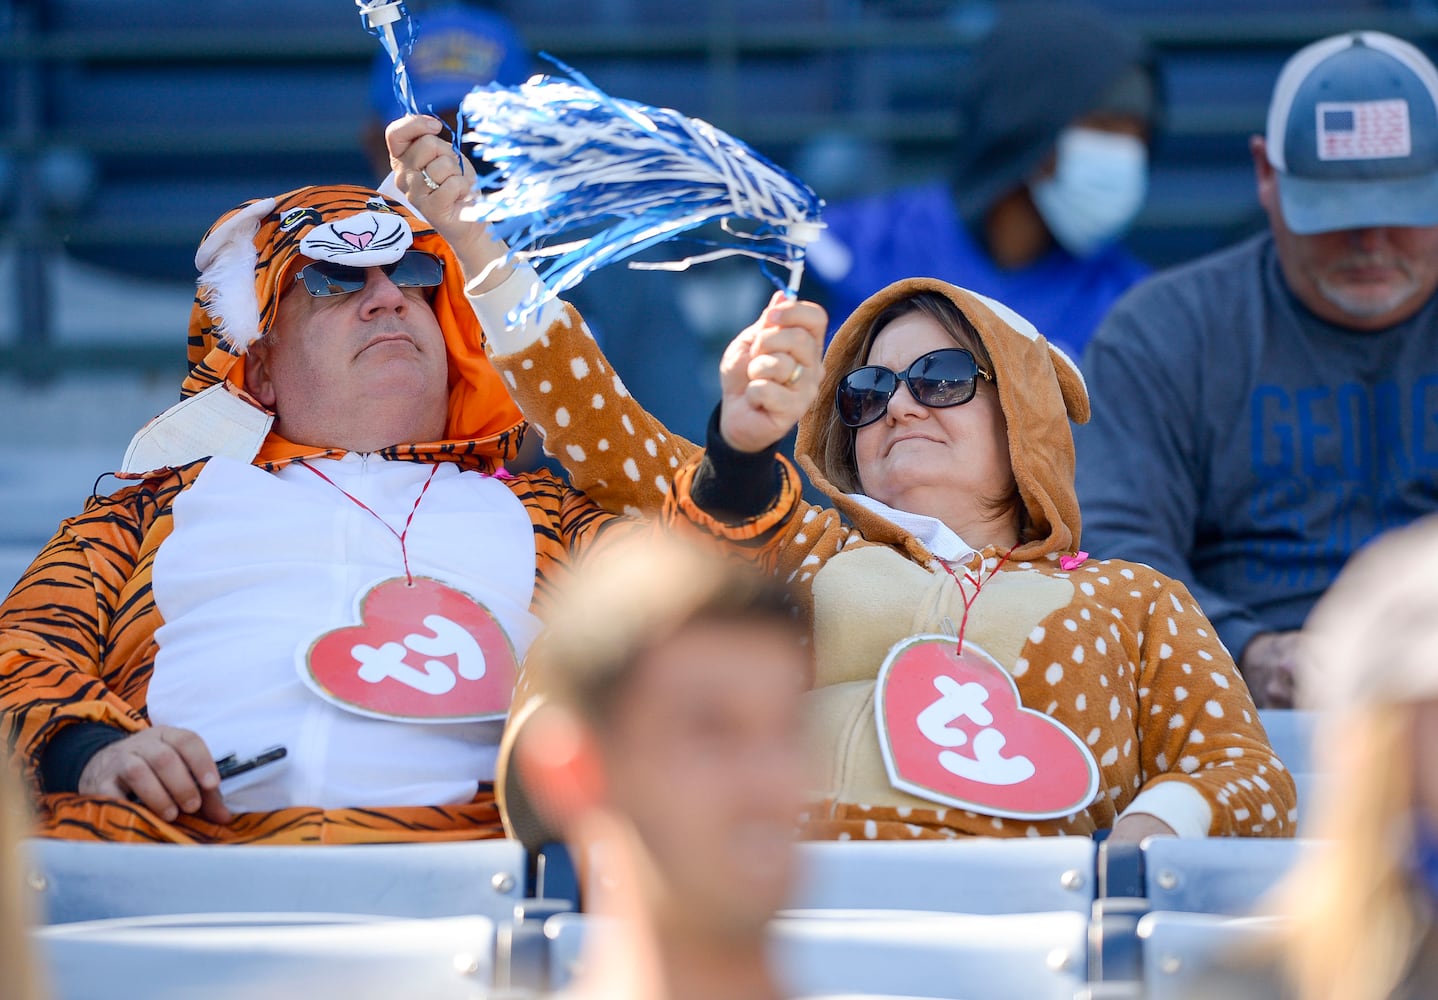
1097, 188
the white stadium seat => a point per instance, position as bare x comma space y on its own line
1224, 875
88, 881
1034, 956
1179, 947
276, 956
963, 876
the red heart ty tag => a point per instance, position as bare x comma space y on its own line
953, 730
422, 652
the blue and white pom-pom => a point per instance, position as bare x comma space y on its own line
566, 157
389, 21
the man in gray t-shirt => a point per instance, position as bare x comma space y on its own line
1261, 413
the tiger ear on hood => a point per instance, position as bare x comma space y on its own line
1071, 384
226, 260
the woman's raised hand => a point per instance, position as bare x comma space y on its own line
770, 373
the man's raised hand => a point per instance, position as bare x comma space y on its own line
440, 183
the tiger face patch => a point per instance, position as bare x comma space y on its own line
365, 239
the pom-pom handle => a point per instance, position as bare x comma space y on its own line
379, 16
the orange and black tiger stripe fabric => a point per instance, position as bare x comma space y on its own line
85, 817
77, 643
68, 647
77, 634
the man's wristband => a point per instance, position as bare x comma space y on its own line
69, 751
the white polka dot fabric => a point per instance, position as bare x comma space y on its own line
1118, 653
614, 451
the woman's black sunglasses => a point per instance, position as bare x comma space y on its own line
946, 377
416, 269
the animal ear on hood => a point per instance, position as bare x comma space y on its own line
227, 260
1071, 384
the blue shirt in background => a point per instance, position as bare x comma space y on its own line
1245, 446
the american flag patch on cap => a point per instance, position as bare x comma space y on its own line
1363, 130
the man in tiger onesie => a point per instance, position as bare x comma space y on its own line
321, 551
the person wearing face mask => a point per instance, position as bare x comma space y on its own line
1055, 113
1261, 413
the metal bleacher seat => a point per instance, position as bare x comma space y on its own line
970, 876
85, 881
1036, 956
1178, 947
1220, 875
566, 935
277, 956
1290, 732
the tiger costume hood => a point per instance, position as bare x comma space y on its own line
247, 261
199, 596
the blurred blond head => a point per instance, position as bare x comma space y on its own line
21, 979
1358, 916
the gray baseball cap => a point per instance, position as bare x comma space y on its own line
1353, 134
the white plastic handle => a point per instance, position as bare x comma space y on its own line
380, 15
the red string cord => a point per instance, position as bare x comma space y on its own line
399, 535
978, 585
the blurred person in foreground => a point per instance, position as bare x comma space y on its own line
1263, 412
17, 954
1361, 908
665, 743
1056, 111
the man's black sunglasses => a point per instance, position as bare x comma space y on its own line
416, 269
946, 377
